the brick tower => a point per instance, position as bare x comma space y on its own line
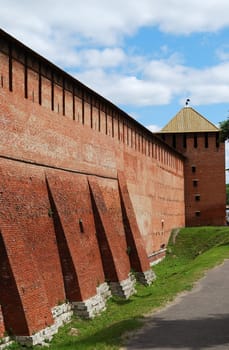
204, 171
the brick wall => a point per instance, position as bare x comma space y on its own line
62, 214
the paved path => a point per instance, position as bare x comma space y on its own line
197, 320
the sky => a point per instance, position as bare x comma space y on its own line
146, 56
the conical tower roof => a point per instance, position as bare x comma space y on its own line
189, 120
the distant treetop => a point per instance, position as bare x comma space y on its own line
224, 130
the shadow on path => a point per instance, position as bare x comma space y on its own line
192, 334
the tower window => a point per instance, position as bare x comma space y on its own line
174, 141
184, 141
217, 140
206, 140
195, 141
193, 168
197, 197
197, 213
195, 182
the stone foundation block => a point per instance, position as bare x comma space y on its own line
5, 342
95, 305
125, 288
146, 277
62, 314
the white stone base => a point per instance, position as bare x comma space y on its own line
4, 342
62, 314
153, 263
146, 277
155, 257
95, 305
125, 288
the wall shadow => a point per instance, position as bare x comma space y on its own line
193, 334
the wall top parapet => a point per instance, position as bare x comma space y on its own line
32, 60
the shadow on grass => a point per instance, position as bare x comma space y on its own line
107, 338
121, 301
145, 295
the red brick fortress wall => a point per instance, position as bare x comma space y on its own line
65, 213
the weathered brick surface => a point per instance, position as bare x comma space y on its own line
77, 241
29, 255
157, 195
136, 249
109, 231
204, 170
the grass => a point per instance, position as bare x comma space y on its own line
195, 250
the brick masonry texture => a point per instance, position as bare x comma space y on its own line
204, 177
86, 196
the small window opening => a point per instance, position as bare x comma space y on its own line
195, 182
206, 140
195, 141
193, 168
185, 141
197, 197
217, 141
197, 213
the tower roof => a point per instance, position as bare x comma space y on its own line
189, 120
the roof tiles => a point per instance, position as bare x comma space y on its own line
189, 120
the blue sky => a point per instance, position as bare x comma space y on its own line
146, 56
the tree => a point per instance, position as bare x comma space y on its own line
227, 193
224, 130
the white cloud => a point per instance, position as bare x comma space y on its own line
153, 128
126, 89
223, 53
157, 82
86, 38
109, 57
108, 22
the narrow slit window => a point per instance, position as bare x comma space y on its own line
73, 104
197, 197
174, 141
63, 97
10, 68
206, 140
91, 112
195, 141
184, 141
193, 168
40, 86
217, 141
83, 107
52, 93
195, 182
26, 78
99, 116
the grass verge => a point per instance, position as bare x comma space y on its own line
195, 250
